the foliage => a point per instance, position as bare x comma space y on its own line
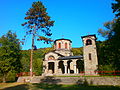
106, 69
80, 65
77, 51
38, 61
25, 60
109, 49
38, 56
108, 31
38, 20
116, 7
9, 55
106, 49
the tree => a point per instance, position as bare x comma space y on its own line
116, 7
37, 21
9, 55
25, 60
77, 51
110, 48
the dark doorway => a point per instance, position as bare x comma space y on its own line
68, 66
51, 66
80, 66
61, 66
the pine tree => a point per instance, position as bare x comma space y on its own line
37, 21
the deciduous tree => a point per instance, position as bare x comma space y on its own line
110, 48
9, 54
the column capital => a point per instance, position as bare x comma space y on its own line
65, 62
74, 61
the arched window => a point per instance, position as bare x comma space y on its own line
51, 58
66, 46
90, 58
88, 42
59, 45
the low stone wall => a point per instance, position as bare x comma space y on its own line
90, 80
73, 80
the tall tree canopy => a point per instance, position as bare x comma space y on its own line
37, 21
9, 54
116, 7
111, 47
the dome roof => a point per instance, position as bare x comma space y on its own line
62, 39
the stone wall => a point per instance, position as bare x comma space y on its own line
73, 80
90, 56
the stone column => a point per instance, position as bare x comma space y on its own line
68, 71
65, 69
74, 66
75, 71
46, 67
65, 65
56, 67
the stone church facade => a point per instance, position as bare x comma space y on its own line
61, 61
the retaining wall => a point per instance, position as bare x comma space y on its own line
72, 80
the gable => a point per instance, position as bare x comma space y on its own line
51, 56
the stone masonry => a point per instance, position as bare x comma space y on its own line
61, 61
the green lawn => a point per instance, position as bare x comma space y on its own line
42, 86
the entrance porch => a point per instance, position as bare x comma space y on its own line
64, 66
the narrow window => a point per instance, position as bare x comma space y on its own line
66, 46
90, 58
88, 42
59, 45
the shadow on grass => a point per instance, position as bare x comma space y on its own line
18, 87
45, 86
50, 80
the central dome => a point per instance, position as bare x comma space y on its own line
62, 44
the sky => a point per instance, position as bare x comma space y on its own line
73, 19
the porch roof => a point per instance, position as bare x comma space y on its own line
70, 57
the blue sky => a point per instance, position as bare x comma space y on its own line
73, 18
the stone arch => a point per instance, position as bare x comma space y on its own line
61, 67
51, 57
51, 67
69, 66
80, 66
88, 42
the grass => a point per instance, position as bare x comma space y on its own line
5, 85
42, 86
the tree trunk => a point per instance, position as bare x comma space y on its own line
31, 56
4, 79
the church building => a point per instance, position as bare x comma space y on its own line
61, 61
